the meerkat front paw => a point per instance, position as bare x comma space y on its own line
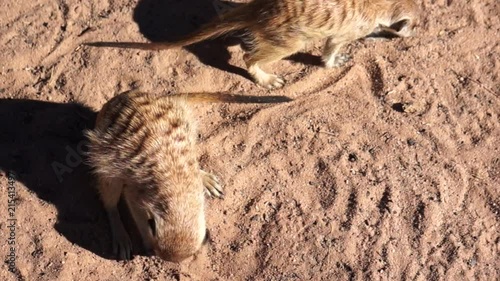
336, 61
212, 185
122, 245
271, 82
264, 79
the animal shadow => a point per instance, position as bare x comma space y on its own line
43, 145
169, 20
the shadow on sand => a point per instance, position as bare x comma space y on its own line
168, 20
42, 143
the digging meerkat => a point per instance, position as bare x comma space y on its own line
279, 28
144, 147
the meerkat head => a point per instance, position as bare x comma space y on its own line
178, 235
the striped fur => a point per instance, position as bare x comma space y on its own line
144, 147
280, 28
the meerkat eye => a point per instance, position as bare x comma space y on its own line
152, 226
207, 238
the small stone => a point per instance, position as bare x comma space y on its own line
352, 157
411, 142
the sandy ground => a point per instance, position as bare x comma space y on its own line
385, 169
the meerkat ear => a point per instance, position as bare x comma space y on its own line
399, 25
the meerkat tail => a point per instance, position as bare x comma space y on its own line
231, 98
235, 19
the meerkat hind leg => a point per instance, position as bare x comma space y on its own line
212, 185
331, 57
110, 191
264, 53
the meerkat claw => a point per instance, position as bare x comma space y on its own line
122, 245
122, 250
271, 82
337, 61
212, 185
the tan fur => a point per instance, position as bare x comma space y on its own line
280, 28
143, 146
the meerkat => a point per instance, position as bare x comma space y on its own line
279, 28
143, 147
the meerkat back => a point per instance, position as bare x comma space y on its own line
134, 130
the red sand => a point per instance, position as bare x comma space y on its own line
385, 169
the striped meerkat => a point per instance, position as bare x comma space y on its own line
279, 28
144, 147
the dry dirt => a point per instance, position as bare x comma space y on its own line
385, 169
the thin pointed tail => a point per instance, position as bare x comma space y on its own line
235, 19
232, 98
